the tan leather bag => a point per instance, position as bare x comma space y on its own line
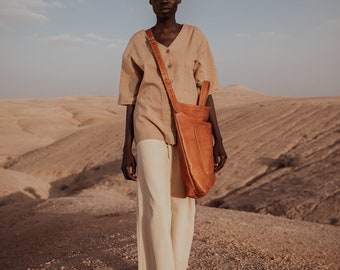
194, 134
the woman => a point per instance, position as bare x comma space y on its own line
165, 216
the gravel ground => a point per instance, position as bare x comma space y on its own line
224, 239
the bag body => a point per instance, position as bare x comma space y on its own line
195, 149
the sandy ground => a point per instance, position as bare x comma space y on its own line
33, 238
276, 204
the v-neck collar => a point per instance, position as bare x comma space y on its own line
175, 39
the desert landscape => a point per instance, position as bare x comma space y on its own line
65, 205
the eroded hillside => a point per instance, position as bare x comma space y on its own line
283, 152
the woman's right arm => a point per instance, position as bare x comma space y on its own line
129, 162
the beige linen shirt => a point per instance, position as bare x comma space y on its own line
189, 62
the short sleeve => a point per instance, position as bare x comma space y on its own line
206, 69
130, 77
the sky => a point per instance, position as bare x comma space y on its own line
57, 48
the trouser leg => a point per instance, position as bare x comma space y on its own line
183, 216
165, 217
154, 207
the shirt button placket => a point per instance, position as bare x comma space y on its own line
169, 66
166, 104
168, 51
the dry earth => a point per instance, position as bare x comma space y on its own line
65, 205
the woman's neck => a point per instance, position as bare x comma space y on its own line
166, 33
167, 26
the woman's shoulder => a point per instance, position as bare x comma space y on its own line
191, 27
135, 41
195, 33
194, 30
139, 35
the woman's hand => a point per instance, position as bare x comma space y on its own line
129, 162
129, 166
220, 156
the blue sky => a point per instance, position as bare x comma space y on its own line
55, 48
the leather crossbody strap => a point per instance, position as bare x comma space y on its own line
165, 77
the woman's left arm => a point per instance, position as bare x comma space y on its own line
220, 155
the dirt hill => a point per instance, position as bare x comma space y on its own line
64, 202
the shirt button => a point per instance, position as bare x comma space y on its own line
167, 51
169, 66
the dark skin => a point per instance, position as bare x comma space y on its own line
165, 32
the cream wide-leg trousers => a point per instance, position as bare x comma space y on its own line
165, 216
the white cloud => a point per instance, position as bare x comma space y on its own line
331, 24
112, 43
335, 23
88, 39
270, 35
274, 35
16, 12
117, 44
97, 38
66, 40
243, 35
